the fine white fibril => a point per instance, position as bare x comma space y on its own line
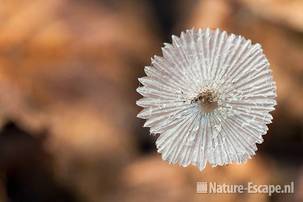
208, 98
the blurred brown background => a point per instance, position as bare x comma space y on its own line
68, 74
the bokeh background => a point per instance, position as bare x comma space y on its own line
68, 74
